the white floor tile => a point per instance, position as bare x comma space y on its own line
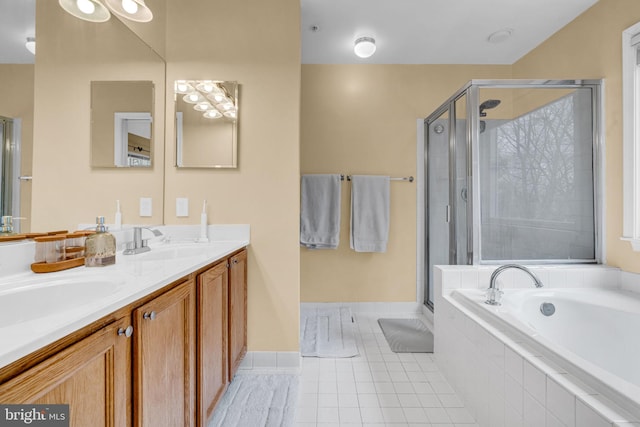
377, 388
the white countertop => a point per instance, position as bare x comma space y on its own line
38, 309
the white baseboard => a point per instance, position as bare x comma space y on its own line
371, 307
270, 362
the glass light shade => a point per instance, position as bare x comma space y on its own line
365, 47
31, 45
217, 97
183, 87
225, 106
230, 114
206, 86
193, 98
212, 114
138, 12
203, 106
87, 10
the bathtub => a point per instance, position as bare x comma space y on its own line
593, 333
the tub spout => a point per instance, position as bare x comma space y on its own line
494, 294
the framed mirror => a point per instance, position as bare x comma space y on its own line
206, 123
121, 123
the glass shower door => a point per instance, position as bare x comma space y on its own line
437, 199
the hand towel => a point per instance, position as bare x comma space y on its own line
320, 211
369, 213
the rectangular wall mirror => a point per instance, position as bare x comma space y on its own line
206, 123
121, 123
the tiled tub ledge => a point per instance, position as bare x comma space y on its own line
504, 378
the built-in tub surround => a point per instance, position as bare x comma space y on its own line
47, 307
512, 365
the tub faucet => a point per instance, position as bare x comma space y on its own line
494, 294
140, 245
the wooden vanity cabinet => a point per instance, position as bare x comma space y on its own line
212, 351
237, 310
92, 376
164, 359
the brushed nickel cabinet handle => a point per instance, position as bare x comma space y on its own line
150, 316
126, 332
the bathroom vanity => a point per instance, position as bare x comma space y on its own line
160, 352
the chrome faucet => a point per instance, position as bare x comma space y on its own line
494, 294
139, 244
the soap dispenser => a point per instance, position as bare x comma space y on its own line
100, 248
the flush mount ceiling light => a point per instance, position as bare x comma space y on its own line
500, 35
365, 47
88, 10
31, 45
134, 10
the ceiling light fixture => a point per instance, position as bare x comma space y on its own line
134, 10
500, 35
31, 45
88, 10
365, 47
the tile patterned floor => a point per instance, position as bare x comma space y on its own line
377, 388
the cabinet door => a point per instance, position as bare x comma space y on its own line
93, 377
163, 359
237, 310
212, 351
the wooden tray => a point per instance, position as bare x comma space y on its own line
12, 237
49, 267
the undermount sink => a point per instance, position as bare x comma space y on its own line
171, 252
43, 297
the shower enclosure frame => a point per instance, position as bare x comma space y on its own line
472, 136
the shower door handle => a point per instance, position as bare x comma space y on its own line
448, 214
25, 178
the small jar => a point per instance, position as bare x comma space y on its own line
74, 245
50, 248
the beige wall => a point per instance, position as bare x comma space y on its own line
257, 44
361, 119
71, 54
590, 47
16, 87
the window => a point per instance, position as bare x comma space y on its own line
631, 134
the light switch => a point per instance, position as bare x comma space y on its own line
182, 206
145, 206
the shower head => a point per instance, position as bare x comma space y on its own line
488, 105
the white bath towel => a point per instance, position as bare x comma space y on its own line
369, 213
320, 211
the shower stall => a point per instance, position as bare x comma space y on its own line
512, 174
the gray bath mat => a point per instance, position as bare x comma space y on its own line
327, 332
407, 335
258, 400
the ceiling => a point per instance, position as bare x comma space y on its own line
406, 31
431, 31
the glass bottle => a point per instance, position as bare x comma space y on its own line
100, 248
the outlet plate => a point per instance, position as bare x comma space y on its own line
182, 207
145, 206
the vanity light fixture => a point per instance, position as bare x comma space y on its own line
193, 98
134, 10
203, 106
212, 114
88, 10
183, 87
365, 47
198, 91
207, 86
31, 45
